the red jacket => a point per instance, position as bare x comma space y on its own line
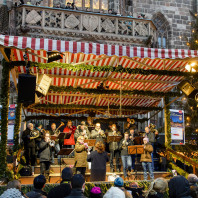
71, 140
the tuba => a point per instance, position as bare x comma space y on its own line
56, 131
34, 134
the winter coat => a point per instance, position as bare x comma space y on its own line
76, 193
158, 195
35, 193
97, 136
80, 155
26, 139
79, 132
98, 165
146, 156
114, 145
179, 187
71, 140
150, 136
123, 146
44, 151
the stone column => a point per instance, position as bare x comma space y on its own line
45, 3
50, 3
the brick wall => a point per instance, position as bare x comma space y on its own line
175, 11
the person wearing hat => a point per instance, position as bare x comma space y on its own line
119, 183
82, 130
193, 180
64, 189
146, 159
96, 192
68, 6
39, 183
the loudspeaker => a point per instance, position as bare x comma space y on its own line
26, 89
186, 87
43, 84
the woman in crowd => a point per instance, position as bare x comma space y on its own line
98, 159
80, 155
157, 188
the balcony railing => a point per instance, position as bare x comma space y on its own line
79, 25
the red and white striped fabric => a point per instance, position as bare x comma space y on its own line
93, 48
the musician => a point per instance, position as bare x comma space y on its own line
80, 156
82, 130
129, 124
45, 153
114, 148
132, 135
146, 159
151, 136
28, 137
98, 133
70, 129
40, 137
90, 124
56, 149
126, 158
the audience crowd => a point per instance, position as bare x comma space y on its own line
73, 186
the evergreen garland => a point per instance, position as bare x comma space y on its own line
119, 69
116, 92
5, 85
17, 126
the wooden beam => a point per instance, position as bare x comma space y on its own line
77, 112
48, 101
81, 100
98, 100
4, 54
111, 79
173, 101
95, 81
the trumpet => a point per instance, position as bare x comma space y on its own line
52, 143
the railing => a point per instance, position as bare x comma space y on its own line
61, 23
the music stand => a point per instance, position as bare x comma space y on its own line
112, 138
134, 150
64, 151
90, 142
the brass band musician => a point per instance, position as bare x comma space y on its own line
82, 130
28, 137
98, 133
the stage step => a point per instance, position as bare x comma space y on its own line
56, 177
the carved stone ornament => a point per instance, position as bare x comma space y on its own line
90, 22
33, 17
71, 22
108, 26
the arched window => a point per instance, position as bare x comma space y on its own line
163, 30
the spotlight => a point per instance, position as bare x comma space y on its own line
54, 56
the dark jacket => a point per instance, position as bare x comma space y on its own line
76, 193
179, 187
123, 146
35, 193
26, 139
150, 136
80, 155
158, 195
114, 145
146, 156
79, 132
97, 136
44, 151
60, 191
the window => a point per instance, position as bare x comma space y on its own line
163, 29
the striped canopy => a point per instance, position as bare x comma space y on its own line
100, 55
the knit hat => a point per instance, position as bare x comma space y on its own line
119, 182
192, 178
114, 192
12, 193
67, 174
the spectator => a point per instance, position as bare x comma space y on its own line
146, 159
64, 189
58, 5
39, 183
78, 187
73, 6
98, 159
193, 180
68, 6
13, 190
179, 187
110, 11
119, 183
96, 193
114, 192
157, 188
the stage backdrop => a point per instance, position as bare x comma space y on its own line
11, 120
177, 127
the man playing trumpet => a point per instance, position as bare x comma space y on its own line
98, 133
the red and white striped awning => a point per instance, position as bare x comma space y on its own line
101, 55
